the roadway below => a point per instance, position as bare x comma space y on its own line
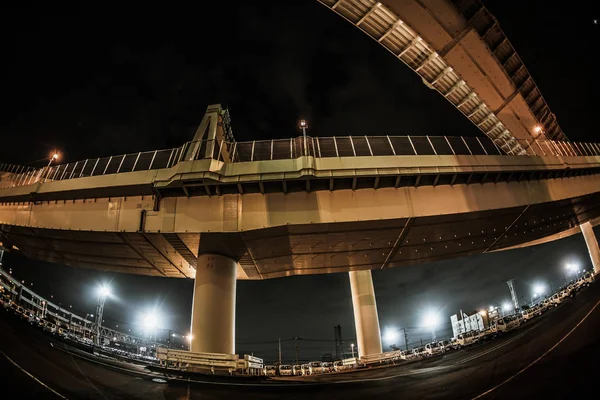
548, 357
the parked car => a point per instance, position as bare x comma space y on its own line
434, 348
467, 338
297, 370
419, 352
315, 367
305, 369
270, 370
327, 367
285, 370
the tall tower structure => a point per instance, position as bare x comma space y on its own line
513, 294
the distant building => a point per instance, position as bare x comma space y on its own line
461, 322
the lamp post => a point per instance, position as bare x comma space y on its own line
352, 348
303, 126
54, 157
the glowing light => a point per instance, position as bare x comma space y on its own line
390, 335
507, 306
538, 289
483, 313
55, 156
150, 321
431, 320
537, 129
104, 291
303, 124
572, 267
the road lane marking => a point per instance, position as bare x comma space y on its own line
539, 358
86, 378
498, 346
31, 376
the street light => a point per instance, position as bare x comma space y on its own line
52, 158
150, 321
538, 290
390, 335
352, 347
303, 126
507, 306
431, 321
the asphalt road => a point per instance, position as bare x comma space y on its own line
550, 357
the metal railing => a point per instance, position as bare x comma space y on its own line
142, 161
285, 149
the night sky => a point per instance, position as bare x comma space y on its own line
95, 82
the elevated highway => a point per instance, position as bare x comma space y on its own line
458, 48
218, 210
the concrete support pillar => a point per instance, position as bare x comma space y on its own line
592, 245
366, 320
213, 309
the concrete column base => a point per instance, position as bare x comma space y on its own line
366, 320
213, 308
592, 245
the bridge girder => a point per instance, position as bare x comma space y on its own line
446, 50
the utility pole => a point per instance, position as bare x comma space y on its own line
421, 342
279, 351
405, 339
297, 349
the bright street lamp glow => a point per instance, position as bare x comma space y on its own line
55, 156
538, 289
491, 308
537, 129
506, 306
303, 124
431, 320
104, 291
150, 321
390, 335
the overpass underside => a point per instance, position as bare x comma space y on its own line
370, 231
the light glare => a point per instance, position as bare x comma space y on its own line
104, 291
390, 335
150, 321
431, 320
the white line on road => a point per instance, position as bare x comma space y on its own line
539, 358
31, 376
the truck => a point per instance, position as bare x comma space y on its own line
467, 338
434, 348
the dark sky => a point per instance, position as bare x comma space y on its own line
99, 82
